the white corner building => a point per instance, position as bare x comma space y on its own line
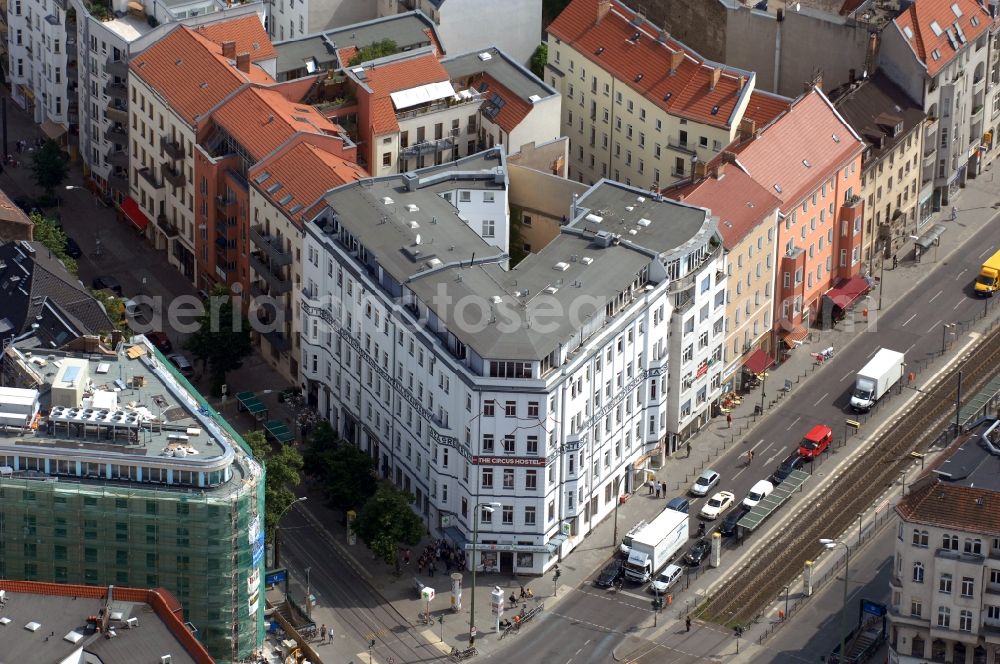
548, 387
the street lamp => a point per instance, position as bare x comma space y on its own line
489, 507
277, 529
618, 501
831, 544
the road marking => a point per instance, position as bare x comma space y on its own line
846, 376
908, 321
757, 444
793, 424
910, 348
958, 304
821, 399
769, 446
875, 350
959, 275
986, 252
633, 595
930, 329
935, 296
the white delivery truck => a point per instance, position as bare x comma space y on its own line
626, 546
875, 378
656, 544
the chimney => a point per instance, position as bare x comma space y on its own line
746, 129
676, 58
229, 50
716, 73
700, 169
728, 157
742, 81
815, 82
663, 36
720, 170
243, 62
603, 7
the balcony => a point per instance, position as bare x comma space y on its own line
117, 68
271, 246
117, 113
172, 149
173, 176
225, 206
979, 84
428, 147
150, 179
164, 225
117, 158
929, 157
434, 107
961, 556
977, 114
117, 91
931, 125
116, 133
276, 284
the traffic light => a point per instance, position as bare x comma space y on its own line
558, 573
371, 643
657, 603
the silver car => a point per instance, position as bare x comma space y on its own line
705, 483
666, 579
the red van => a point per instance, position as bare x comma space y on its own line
816, 441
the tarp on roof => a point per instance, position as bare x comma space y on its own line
422, 94
758, 362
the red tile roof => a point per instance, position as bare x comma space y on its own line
928, 26
306, 170
949, 505
394, 76
800, 149
262, 119
515, 108
689, 86
736, 199
248, 33
764, 107
190, 74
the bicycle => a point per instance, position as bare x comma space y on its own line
425, 619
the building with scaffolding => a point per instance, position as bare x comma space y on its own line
115, 471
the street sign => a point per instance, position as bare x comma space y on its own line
854, 424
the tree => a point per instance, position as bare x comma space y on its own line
539, 59
52, 236
50, 166
373, 51
222, 339
387, 521
283, 469
344, 472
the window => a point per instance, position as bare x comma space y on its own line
973, 546
532, 445
465, 197
510, 409
944, 617
529, 516
508, 515
485, 515
949, 542
508, 479
489, 228
487, 480
965, 621
488, 443
489, 407
387, 159
944, 584
918, 572
968, 586
509, 444
916, 607
532, 409
531, 480
920, 538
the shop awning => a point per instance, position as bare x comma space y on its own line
848, 292
131, 210
53, 130
794, 335
930, 238
758, 362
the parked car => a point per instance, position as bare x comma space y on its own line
728, 527
73, 250
698, 552
665, 579
705, 483
611, 573
716, 505
680, 504
792, 462
757, 493
182, 363
106, 282
161, 341
816, 441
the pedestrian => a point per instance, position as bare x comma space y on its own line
689, 449
406, 557
432, 569
687, 624
954, 213
329, 635
322, 633
895, 261
729, 420
659, 488
649, 483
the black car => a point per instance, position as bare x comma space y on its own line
698, 552
73, 250
728, 527
680, 504
610, 575
792, 462
107, 283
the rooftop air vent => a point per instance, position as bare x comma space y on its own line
561, 266
32, 626
638, 77
387, 201
411, 207
551, 290
600, 49
593, 218
485, 57
414, 224
586, 260
644, 222
496, 299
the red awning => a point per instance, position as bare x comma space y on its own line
797, 333
848, 292
131, 210
758, 362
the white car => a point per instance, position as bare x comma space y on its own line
666, 579
717, 504
757, 493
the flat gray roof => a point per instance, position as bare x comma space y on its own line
624, 209
62, 615
507, 72
970, 464
376, 212
294, 53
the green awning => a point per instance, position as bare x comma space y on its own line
279, 431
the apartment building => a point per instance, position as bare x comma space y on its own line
117, 473
748, 224
545, 387
639, 107
809, 158
109, 40
945, 580
937, 52
892, 127
173, 86
416, 109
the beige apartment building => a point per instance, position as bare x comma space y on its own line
638, 106
892, 128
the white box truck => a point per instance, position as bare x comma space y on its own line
656, 544
626, 546
875, 378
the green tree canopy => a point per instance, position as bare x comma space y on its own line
222, 339
345, 472
283, 472
52, 236
387, 521
50, 166
539, 59
375, 50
